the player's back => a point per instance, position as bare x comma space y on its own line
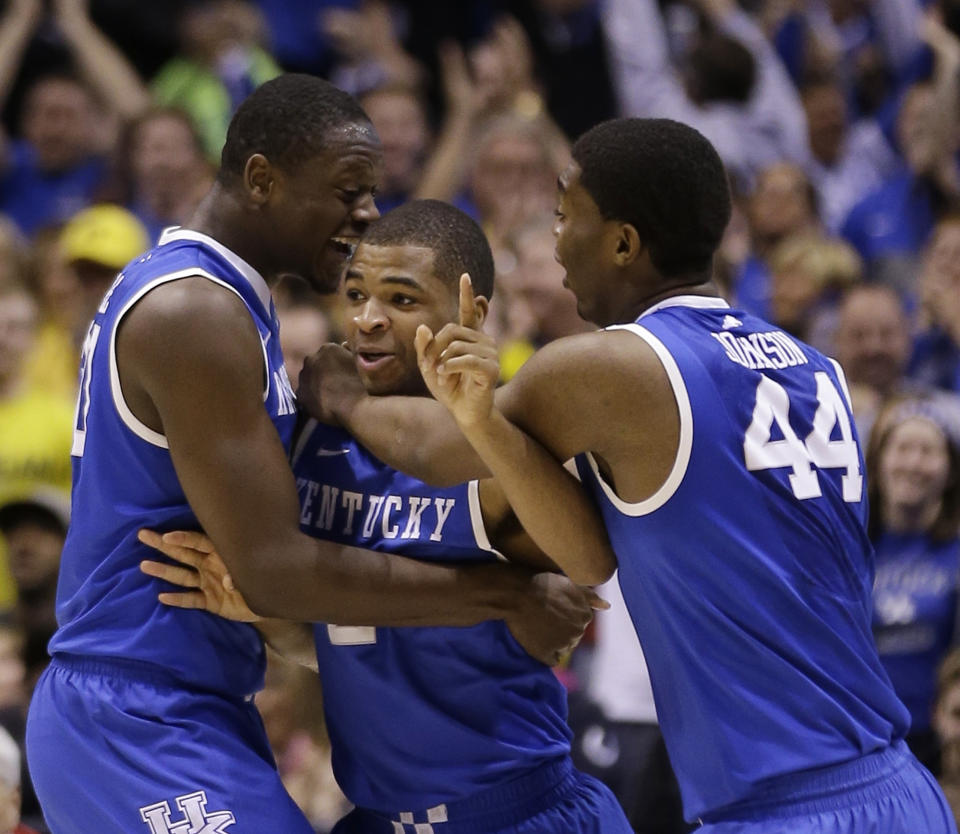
419, 716
748, 573
124, 480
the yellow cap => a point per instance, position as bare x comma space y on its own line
104, 234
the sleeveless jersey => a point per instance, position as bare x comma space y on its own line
748, 574
419, 716
123, 479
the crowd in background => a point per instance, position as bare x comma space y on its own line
839, 124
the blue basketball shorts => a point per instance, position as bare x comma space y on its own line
117, 748
888, 792
554, 799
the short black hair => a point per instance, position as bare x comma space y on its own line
288, 120
664, 179
458, 243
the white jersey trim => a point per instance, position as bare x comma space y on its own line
254, 278
305, 434
843, 382
685, 446
128, 418
701, 302
476, 519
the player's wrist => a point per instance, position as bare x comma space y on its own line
498, 590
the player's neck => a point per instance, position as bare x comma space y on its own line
220, 217
647, 300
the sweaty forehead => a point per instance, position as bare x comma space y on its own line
359, 136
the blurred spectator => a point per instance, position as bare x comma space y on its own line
913, 471
223, 61
10, 795
400, 119
497, 141
53, 361
297, 33
848, 161
514, 175
97, 243
13, 252
35, 428
735, 89
67, 120
14, 699
936, 356
539, 308
54, 170
889, 226
13, 691
808, 274
164, 171
370, 51
946, 722
34, 529
782, 204
620, 743
303, 328
570, 57
291, 706
871, 46
872, 343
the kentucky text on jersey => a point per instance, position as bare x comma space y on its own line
330, 509
478, 712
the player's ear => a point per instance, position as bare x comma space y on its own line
481, 308
628, 245
258, 179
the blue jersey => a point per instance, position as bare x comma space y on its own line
419, 716
123, 479
915, 615
748, 574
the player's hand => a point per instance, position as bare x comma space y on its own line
554, 617
199, 569
460, 364
329, 385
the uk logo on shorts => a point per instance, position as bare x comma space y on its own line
196, 819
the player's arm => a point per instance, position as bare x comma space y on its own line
203, 583
413, 434
419, 436
505, 532
461, 369
202, 386
605, 392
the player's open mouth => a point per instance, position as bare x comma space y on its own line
344, 245
370, 360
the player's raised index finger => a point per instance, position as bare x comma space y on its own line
468, 312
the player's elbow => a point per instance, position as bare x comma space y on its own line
595, 571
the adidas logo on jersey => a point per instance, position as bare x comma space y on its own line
731, 321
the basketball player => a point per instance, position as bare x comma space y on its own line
725, 460
144, 721
428, 725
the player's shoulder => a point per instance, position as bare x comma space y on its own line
593, 354
192, 300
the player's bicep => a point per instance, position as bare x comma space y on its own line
553, 397
206, 384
